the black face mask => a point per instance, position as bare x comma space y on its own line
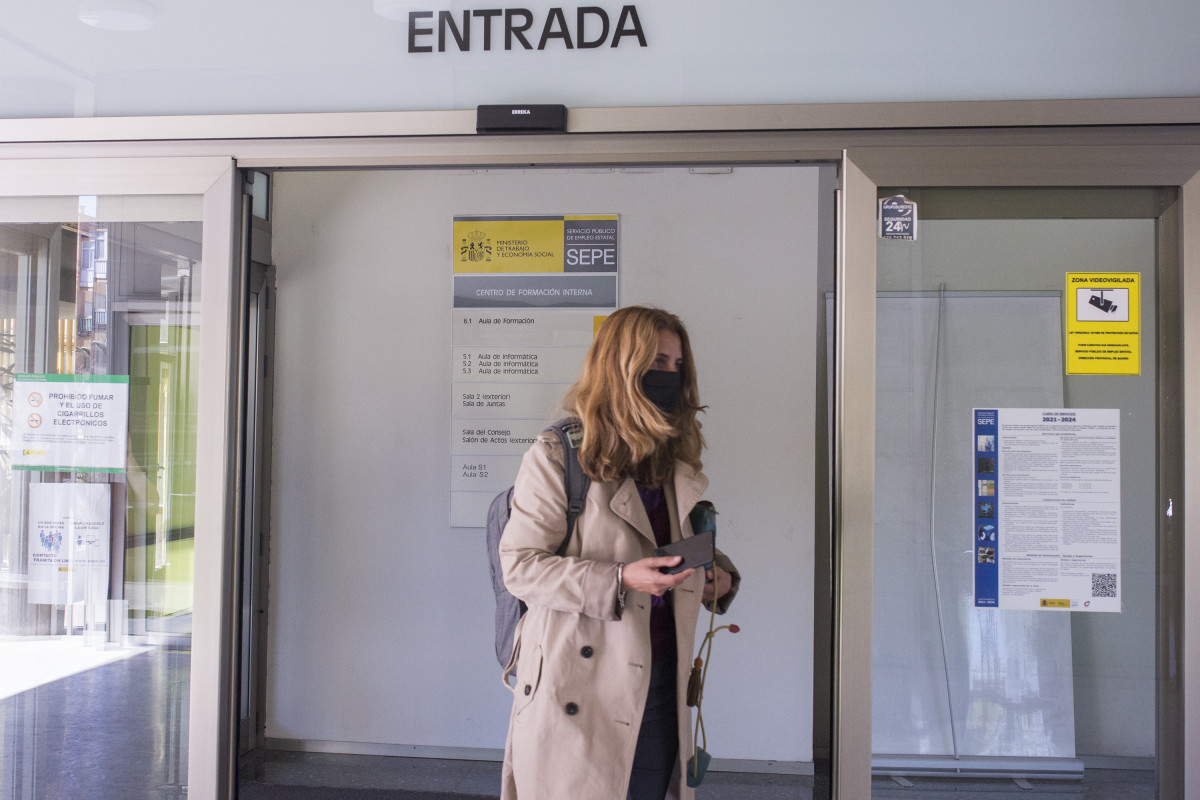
662, 388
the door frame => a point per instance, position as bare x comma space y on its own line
1148, 142
863, 171
213, 179
252, 544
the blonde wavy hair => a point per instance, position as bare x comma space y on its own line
624, 434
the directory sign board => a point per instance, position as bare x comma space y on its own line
529, 293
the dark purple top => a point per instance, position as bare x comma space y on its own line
662, 617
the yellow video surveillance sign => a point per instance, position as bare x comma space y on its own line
1103, 312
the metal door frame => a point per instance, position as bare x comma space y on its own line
1149, 142
213, 179
1179, 246
252, 545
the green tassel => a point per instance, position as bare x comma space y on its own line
697, 767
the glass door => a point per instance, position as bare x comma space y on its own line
114, 311
1016, 467
1009, 455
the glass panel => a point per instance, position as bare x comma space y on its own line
1015, 533
98, 369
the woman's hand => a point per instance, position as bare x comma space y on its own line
643, 575
715, 589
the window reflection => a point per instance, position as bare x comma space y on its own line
96, 578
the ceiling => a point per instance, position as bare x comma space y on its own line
265, 56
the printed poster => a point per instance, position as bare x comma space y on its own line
69, 542
1047, 508
1103, 317
70, 423
529, 294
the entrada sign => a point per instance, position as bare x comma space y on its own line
592, 27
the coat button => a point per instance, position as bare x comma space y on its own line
572, 709
528, 689
587, 651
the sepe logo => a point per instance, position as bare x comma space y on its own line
475, 247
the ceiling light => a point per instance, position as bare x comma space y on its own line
117, 15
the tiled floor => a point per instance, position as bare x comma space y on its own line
31, 661
367, 774
89, 737
1096, 785
119, 732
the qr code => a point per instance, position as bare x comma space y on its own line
1104, 584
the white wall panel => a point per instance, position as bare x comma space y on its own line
271, 56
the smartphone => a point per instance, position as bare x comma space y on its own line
697, 552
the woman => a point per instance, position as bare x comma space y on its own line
603, 654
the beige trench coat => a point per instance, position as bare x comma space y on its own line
583, 664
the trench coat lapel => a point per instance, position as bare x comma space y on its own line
686, 489
689, 486
626, 503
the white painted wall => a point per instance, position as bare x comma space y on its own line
380, 627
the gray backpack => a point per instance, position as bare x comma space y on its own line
509, 609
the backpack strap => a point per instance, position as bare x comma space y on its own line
570, 433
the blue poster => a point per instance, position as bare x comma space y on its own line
987, 576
